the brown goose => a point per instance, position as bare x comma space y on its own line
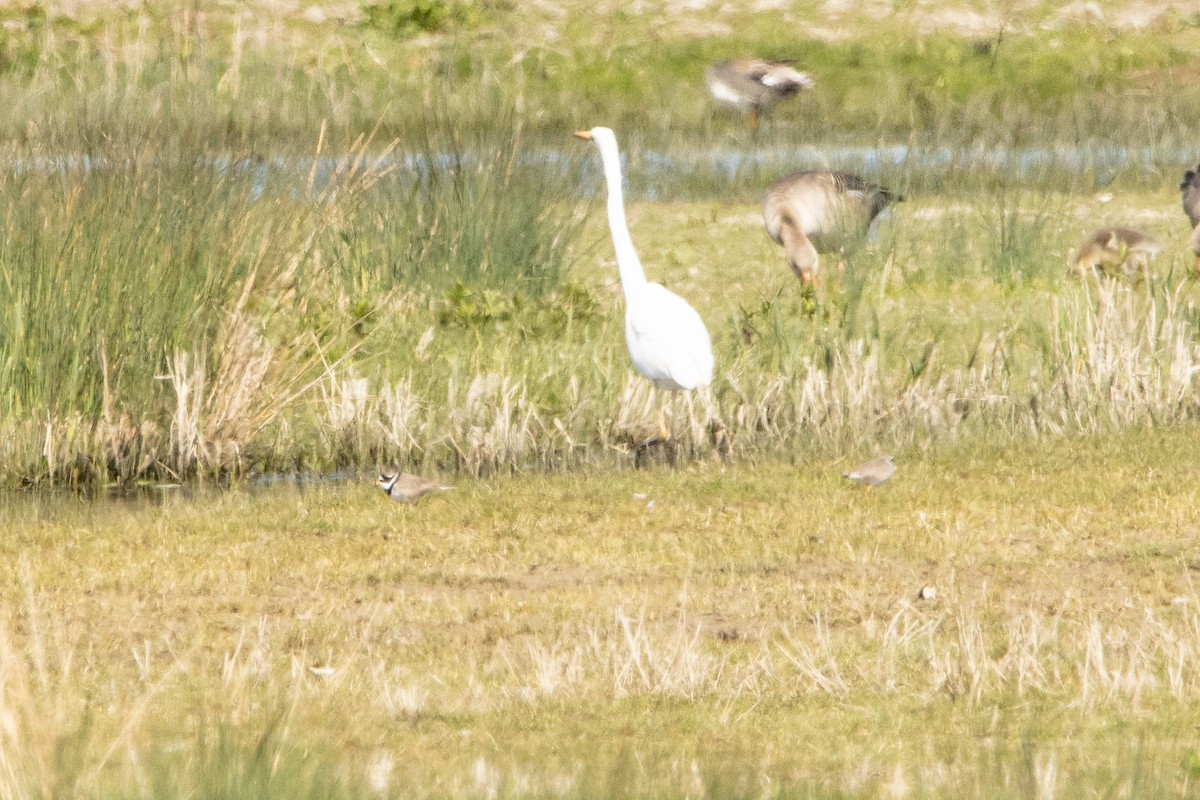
1190, 191
754, 84
821, 211
1111, 249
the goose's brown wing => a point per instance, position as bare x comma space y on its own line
1190, 189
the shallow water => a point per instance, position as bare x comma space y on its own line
46, 501
661, 174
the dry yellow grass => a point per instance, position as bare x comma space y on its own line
761, 622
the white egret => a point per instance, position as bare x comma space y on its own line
1107, 249
823, 211
667, 340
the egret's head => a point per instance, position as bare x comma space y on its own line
601, 136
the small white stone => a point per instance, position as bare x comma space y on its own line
927, 593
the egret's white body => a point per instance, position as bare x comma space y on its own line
667, 340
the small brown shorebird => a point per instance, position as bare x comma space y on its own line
404, 487
872, 473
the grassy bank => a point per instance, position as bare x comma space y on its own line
942, 73
170, 324
243, 242
718, 630
359, 235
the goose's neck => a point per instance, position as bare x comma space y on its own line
632, 274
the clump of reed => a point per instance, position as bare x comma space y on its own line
170, 303
158, 315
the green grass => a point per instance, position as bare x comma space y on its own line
171, 320
262, 272
233, 82
210, 323
623, 634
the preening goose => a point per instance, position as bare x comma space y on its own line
1190, 191
821, 211
1110, 249
754, 84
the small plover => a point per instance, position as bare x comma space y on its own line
872, 473
404, 487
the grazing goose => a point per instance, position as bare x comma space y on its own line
404, 487
754, 84
1111, 249
1190, 190
821, 211
872, 473
668, 342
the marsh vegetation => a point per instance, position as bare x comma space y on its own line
351, 237
717, 630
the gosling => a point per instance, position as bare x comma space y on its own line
1112, 250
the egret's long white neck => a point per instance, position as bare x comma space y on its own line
632, 274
